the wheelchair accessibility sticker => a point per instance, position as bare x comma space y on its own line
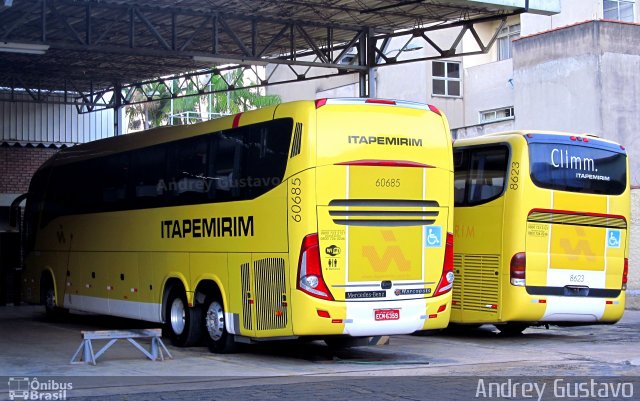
433, 237
613, 238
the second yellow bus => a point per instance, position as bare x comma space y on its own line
541, 228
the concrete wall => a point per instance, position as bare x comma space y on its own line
487, 86
633, 285
620, 82
582, 78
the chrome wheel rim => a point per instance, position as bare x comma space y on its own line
214, 320
177, 316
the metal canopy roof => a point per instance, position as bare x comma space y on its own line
80, 51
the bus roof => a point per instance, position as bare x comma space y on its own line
541, 136
161, 135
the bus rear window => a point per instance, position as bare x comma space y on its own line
578, 168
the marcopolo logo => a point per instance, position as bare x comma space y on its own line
24, 388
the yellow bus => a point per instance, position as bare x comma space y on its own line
541, 228
329, 218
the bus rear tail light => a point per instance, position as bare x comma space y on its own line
310, 278
518, 269
625, 273
446, 280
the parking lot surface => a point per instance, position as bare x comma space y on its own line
433, 365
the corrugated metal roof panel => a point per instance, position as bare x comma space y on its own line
51, 124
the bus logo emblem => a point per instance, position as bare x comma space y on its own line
332, 250
613, 238
582, 247
393, 253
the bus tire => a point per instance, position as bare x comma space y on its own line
511, 329
183, 324
48, 298
218, 339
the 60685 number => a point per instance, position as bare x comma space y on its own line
388, 182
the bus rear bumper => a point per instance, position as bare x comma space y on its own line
583, 309
375, 318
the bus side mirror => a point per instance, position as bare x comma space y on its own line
14, 211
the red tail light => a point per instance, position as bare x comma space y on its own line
625, 273
310, 278
518, 269
446, 281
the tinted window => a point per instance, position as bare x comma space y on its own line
267, 156
250, 161
188, 180
578, 168
236, 164
479, 174
112, 175
148, 176
228, 172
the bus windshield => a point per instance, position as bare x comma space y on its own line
578, 168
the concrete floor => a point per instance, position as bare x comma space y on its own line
30, 346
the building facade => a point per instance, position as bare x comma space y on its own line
574, 71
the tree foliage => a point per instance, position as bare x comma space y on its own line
222, 102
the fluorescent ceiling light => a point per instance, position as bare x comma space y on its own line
228, 60
24, 48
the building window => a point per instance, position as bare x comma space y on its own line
504, 113
447, 80
619, 10
505, 41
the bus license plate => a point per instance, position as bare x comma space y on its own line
386, 314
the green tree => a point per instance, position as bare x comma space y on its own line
222, 102
238, 100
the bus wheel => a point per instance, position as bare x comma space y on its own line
511, 329
48, 297
218, 338
183, 324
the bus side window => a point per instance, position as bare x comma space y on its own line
268, 154
461, 174
148, 177
227, 166
188, 180
488, 169
112, 175
479, 174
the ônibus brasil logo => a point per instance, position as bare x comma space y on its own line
24, 388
